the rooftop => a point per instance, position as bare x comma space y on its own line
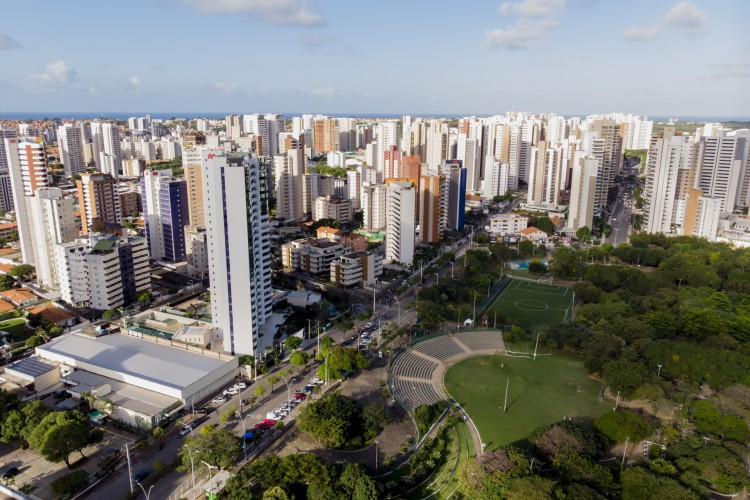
32, 367
139, 358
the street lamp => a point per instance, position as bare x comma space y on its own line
376, 458
289, 387
451, 263
398, 321
209, 468
658, 373
192, 467
147, 493
437, 280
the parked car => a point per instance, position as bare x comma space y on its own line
269, 421
11, 473
316, 381
308, 389
186, 430
219, 399
141, 476
240, 385
301, 396
232, 391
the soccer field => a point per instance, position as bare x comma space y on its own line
540, 393
533, 304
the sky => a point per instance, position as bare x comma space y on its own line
677, 58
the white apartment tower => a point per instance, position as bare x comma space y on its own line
373, 200
54, 222
105, 137
400, 226
719, 168
669, 157
239, 252
582, 192
70, 142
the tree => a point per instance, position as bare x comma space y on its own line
340, 360
145, 297
70, 483
639, 483
260, 390
22, 271
292, 343
110, 315
299, 358
625, 376
158, 432
59, 434
583, 233
228, 415
273, 380
219, 448
356, 484
6, 282
374, 418
557, 441
621, 424
275, 493
530, 488
333, 420
34, 341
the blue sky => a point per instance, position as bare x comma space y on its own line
655, 57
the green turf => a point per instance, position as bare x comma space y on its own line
540, 392
15, 328
533, 304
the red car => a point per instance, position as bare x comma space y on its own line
301, 396
269, 421
263, 427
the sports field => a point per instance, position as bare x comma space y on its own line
533, 304
540, 392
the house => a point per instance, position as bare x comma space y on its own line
54, 314
20, 297
535, 235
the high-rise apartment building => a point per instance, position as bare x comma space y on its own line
196, 250
105, 138
239, 253
720, 167
98, 201
544, 176
582, 192
165, 212
70, 143
54, 222
670, 156
455, 178
373, 200
495, 177
392, 163
400, 227
432, 208
103, 272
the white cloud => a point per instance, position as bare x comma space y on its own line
639, 34
534, 8
8, 43
520, 34
227, 88
726, 70
327, 92
685, 17
135, 82
57, 76
273, 11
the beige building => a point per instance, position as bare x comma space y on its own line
356, 269
196, 249
310, 255
502, 224
99, 202
333, 207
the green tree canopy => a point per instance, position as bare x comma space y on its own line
621, 424
59, 434
340, 360
219, 448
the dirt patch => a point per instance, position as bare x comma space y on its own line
364, 388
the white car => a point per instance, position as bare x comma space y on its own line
281, 412
317, 381
219, 399
232, 391
240, 385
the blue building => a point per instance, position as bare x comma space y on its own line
455, 177
165, 213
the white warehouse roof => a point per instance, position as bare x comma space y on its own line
172, 371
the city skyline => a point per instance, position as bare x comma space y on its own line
553, 56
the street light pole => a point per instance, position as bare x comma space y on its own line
376, 457
451, 263
148, 494
658, 373
622, 466
192, 467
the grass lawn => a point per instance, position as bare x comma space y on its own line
15, 328
540, 392
533, 304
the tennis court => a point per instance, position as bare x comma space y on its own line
533, 304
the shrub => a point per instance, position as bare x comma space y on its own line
620, 424
71, 483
